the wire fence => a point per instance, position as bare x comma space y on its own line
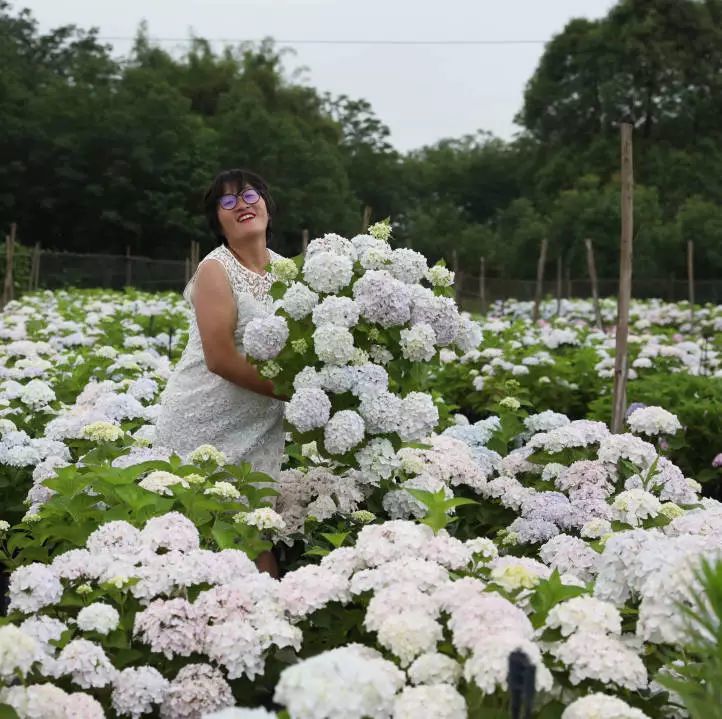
70, 269
471, 295
58, 270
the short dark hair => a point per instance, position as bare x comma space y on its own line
236, 180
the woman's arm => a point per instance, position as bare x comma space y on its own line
215, 310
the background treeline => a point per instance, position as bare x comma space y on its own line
99, 153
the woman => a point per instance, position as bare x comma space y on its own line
215, 396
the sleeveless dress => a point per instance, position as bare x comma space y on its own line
199, 407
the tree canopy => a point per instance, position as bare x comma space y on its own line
99, 153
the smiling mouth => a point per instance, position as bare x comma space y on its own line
246, 218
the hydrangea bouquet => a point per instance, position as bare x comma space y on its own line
354, 332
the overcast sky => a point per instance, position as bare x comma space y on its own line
422, 92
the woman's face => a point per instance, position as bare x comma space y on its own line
244, 221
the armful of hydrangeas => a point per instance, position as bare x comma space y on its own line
356, 325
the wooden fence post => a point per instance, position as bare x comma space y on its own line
539, 279
457, 275
304, 241
619, 395
128, 267
187, 270
34, 278
690, 277
482, 284
8, 288
366, 221
592, 268
559, 285
195, 255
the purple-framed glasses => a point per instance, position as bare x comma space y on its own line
230, 201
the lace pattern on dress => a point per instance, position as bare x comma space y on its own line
199, 407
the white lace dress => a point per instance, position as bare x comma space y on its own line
199, 407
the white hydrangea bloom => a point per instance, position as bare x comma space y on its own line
344, 431
377, 460
196, 690
18, 652
545, 422
33, 587
374, 254
653, 421
224, 490
334, 243
440, 276
381, 412
407, 265
601, 657
434, 668
327, 272
264, 518
44, 629
469, 335
635, 505
585, 614
37, 394
488, 666
337, 379
339, 311
284, 269
241, 713
306, 378
380, 230
102, 432
418, 343
418, 416
264, 337
601, 706
382, 298
137, 689
207, 453
86, 663
408, 634
308, 409
298, 300
98, 617
369, 380
333, 345
354, 682
159, 482
441, 701
439, 312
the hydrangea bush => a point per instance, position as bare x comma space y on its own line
419, 546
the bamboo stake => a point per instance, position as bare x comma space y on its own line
457, 275
559, 285
304, 241
592, 268
128, 267
482, 284
690, 277
619, 396
8, 289
539, 278
187, 270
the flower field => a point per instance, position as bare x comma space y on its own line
451, 495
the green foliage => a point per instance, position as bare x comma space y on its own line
94, 492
